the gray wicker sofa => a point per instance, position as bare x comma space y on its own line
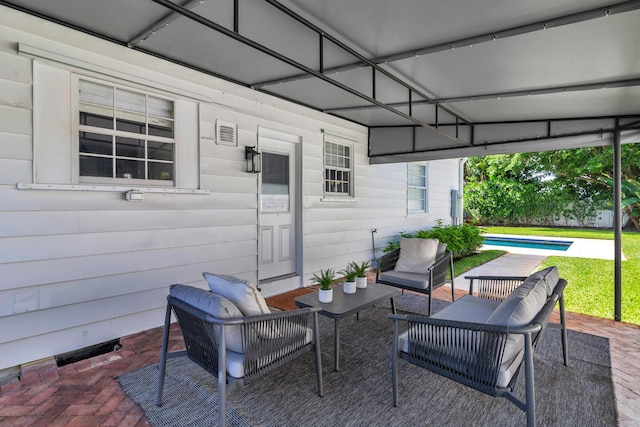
482, 341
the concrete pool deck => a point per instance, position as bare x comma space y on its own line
509, 264
581, 248
524, 261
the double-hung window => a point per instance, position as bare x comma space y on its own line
417, 188
338, 168
124, 133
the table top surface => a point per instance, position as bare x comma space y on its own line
346, 304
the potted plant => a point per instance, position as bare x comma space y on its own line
325, 279
349, 285
361, 273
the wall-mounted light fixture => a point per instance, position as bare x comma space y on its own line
254, 160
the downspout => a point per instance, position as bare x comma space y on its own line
460, 212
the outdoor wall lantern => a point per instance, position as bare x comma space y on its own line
254, 160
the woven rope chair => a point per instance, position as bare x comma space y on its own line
473, 354
435, 278
269, 341
497, 288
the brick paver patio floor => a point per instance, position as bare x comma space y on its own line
86, 393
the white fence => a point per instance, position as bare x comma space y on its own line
604, 219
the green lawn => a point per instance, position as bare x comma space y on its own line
590, 288
465, 264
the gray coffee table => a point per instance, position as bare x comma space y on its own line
344, 305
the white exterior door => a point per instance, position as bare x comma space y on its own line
277, 207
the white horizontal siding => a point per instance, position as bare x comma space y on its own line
15, 120
96, 267
15, 146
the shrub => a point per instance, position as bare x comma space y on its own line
462, 240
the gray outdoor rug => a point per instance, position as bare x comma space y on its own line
360, 394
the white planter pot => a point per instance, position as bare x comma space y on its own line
325, 296
349, 287
361, 282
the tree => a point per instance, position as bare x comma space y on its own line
515, 189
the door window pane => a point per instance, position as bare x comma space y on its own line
275, 183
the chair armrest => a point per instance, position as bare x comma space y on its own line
263, 317
388, 261
442, 261
470, 326
495, 288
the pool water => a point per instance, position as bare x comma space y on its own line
523, 242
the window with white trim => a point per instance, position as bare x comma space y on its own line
417, 188
338, 168
124, 133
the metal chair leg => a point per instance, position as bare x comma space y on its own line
316, 337
394, 363
453, 295
563, 326
529, 380
163, 354
222, 377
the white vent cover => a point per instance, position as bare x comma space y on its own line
226, 133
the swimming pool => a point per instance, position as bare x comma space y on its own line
524, 242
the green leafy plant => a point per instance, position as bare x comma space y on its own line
361, 268
325, 279
462, 240
630, 199
349, 273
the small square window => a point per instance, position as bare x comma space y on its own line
124, 133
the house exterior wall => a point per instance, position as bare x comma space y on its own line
80, 265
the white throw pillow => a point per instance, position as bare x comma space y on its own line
416, 255
240, 292
217, 306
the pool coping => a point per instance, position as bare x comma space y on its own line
581, 248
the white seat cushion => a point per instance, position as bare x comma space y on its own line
242, 293
235, 361
416, 255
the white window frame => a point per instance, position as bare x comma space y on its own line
77, 128
424, 188
55, 128
333, 159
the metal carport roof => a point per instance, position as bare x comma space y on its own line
430, 79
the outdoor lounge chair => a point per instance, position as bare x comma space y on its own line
418, 265
483, 343
236, 349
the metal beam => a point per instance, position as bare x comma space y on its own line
161, 23
608, 84
599, 12
488, 144
364, 60
261, 48
617, 225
